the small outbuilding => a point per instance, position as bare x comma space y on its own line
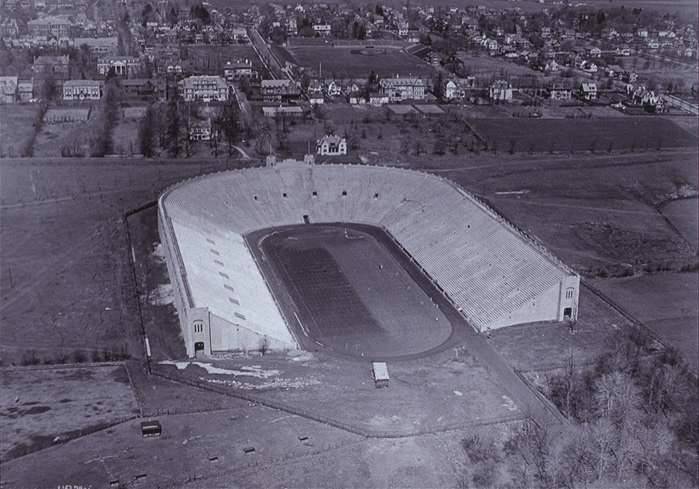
151, 429
379, 371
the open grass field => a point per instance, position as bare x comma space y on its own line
596, 135
342, 390
210, 59
53, 139
486, 66
349, 62
684, 215
351, 292
125, 135
543, 346
597, 213
16, 128
665, 302
289, 452
65, 282
41, 406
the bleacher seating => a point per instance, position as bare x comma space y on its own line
482, 262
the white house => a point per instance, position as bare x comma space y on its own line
205, 88
82, 90
500, 91
588, 91
403, 88
331, 145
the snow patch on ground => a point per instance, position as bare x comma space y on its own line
162, 296
274, 383
158, 252
248, 371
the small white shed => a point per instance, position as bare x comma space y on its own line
379, 371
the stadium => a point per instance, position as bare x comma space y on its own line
359, 260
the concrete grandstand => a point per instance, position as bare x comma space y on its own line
493, 273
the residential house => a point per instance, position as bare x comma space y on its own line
238, 69
8, 28
333, 89
122, 65
403, 88
279, 91
144, 88
82, 90
629, 77
315, 92
200, 130
8, 89
205, 88
588, 91
357, 97
331, 145
378, 99
322, 29
560, 93
500, 91
457, 88
588, 66
25, 90
552, 66
50, 27
595, 52
240, 34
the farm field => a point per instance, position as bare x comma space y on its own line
348, 62
666, 303
38, 405
16, 129
596, 135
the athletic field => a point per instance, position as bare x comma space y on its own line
349, 288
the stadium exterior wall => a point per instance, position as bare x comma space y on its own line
198, 325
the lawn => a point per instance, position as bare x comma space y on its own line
16, 128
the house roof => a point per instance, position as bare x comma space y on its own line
331, 139
402, 81
276, 83
8, 85
81, 83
